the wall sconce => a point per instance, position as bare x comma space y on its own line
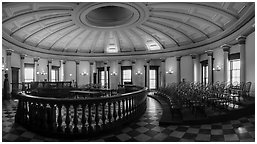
4, 69
84, 73
42, 73
170, 72
218, 68
70, 74
114, 73
139, 73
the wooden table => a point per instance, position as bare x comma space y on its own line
85, 94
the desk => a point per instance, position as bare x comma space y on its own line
83, 93
106, 91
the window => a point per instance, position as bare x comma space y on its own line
55, 74
153, 79
29, 72
204, 72
235, 71
101, 76
126, 74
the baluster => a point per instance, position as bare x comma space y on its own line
30, 113
109, 113
44, 117
37, 114
25, 118
123, 108
133, 105
127, 107
83, 120
103, 114
114, 111
51, 118
67, 120
75, 119
130, 106
119, 110
59, 128
19, 112
90, 127
96, 118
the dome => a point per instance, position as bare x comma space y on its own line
107, 30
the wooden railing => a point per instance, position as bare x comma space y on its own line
79, 117
30, 86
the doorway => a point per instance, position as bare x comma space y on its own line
15, 79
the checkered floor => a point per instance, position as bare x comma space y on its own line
145, 129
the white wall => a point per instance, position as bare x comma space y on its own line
250, 61
171, 64
187, 68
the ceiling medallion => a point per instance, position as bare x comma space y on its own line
111, 15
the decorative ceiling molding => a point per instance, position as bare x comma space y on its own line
61, 29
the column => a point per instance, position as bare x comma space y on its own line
36, 72
163, 72
64, 71
178, 69
77, 73
9, 69
91, 79
194, 66
241, 42
105, 75
210, 66
132, 71
119, 72
22, 67
49, 70
225, 48
148, 74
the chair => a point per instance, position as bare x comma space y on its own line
246, 90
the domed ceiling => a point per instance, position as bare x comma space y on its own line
120, 28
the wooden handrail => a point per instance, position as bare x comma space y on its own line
91, 116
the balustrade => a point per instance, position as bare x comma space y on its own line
78, 117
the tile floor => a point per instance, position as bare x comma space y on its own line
145, 129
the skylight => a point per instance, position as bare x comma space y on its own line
112, 49
152, 45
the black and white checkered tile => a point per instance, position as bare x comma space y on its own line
143, 130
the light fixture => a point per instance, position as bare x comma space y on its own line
218, 68
169, 72
42, 73
84, 73
139, 73
114, 73
70, 74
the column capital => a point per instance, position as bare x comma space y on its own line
36, 59
23, 56
209, 52
63, 61
91, 63
225, 47
163, 60
133, 62
119, 62
50, 61
105, 63
148, 61
193, 56
178, 58
77, 62
9, 52
241, 39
